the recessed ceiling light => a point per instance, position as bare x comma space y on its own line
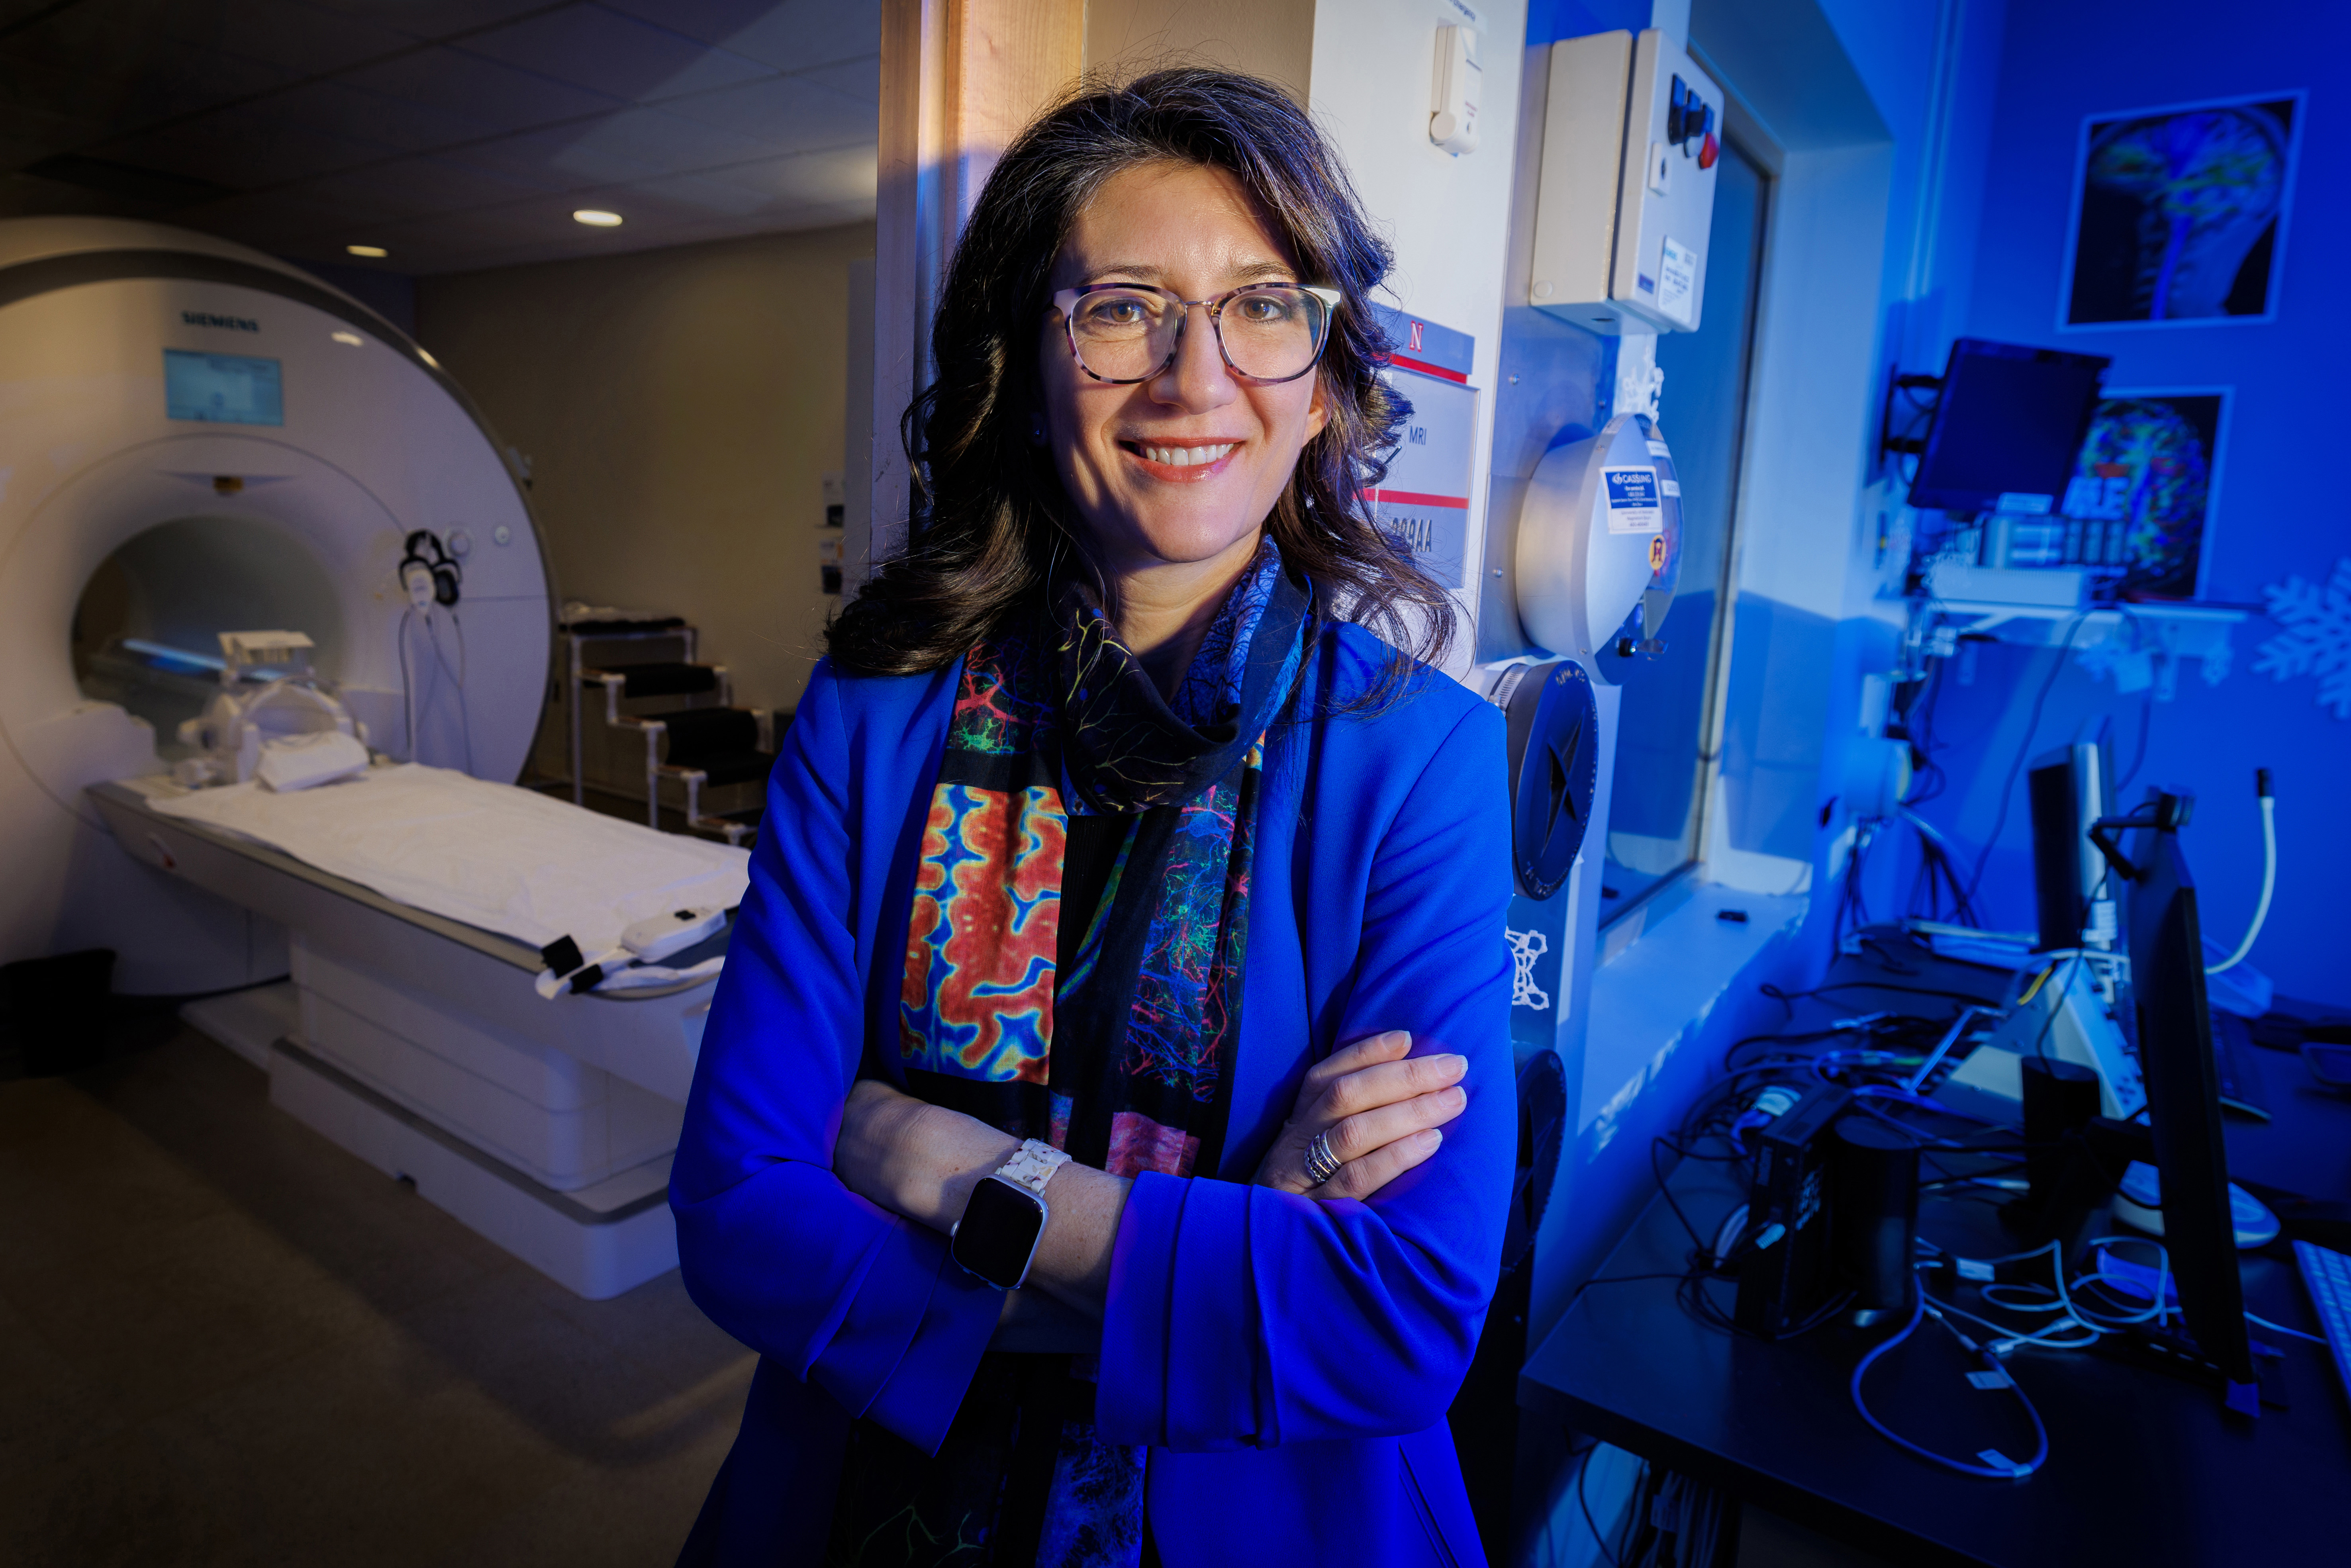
353, 338
595, 218
372, 252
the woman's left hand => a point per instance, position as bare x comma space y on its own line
1380, 1111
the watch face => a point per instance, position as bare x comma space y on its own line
998, 1232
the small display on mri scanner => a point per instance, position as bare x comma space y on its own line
224, 389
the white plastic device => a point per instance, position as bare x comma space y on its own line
228, 736
1877, 777
2066, 1017
1455, 95
1600, 527
417, 580
2139, 1203
292, 762
657, 936
1624, 202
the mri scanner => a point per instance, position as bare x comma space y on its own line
197, 439
163, 531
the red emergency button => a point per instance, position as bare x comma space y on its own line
1709, 151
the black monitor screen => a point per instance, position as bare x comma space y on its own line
2183, 1101
2007, 428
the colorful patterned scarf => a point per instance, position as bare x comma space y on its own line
1124, 1061
1150, 1009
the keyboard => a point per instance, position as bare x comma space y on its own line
2326, 1275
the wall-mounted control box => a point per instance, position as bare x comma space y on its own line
1624, 204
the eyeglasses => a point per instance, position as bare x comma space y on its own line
1129, 332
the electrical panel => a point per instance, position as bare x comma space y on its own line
1624, 204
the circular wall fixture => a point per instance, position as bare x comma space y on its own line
372, 252
1554, 736
596, 218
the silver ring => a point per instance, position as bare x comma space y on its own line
1322, 1164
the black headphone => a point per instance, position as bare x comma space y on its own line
443, 567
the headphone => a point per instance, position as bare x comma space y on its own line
439, 572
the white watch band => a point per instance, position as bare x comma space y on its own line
1032, 1165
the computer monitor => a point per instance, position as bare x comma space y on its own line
2067, 790
2183, 1091
2007, 428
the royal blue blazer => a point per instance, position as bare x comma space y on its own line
1289, 1361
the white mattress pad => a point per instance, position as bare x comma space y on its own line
505, 859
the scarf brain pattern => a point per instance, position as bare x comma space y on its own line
1124, 1061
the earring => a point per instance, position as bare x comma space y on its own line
1036, 430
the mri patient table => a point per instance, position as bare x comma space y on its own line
418, 1043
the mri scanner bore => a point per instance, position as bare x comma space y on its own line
197, 439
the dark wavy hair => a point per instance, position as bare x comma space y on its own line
990, 521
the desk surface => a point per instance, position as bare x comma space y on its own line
2143, 1469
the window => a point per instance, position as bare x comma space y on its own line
1656, 815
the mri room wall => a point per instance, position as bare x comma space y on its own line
2280, 508
679, 409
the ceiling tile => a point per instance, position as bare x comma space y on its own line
783, 114
343, 115
634, 144
25, 197
700, 195
30, 133
430, 19
298, 38
619, 56
529, 158
248, 145
793, 36
842, 174
483, 93
412, 187
860, 78
154, 84
297, 207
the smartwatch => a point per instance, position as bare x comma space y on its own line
1005, 1218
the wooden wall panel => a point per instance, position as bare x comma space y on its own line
959, 79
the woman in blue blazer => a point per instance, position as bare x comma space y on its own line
1103, 1127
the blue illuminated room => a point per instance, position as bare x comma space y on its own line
1100, 783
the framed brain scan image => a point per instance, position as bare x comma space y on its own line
2179, 215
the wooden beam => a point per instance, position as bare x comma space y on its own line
959, 79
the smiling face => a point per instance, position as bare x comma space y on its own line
1173, 477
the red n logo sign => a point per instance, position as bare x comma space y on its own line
1415, 346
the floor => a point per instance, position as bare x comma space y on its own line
223, 1340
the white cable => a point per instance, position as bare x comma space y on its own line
465, 719
1989, 1463
2014, 1336
407, 686
2269, 885
2281, 1328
